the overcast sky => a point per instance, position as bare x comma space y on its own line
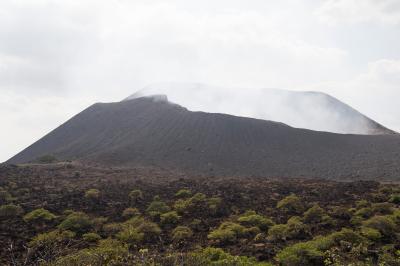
58, 57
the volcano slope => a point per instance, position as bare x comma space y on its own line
152, 132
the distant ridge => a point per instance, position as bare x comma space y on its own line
153, 133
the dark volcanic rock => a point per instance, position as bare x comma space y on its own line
146, 132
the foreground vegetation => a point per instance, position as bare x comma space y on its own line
71, 214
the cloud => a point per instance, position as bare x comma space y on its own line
375, 92
359, 11
60, 47
25, 119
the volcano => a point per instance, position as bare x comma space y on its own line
153, 132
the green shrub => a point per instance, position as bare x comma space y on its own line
213, 204
311, 252
388, 258
341, 213
9, 211
5, 196
382, 208
51, 239
251, 218
92, 194
198, 198
108, 252
77, 222
383, 224
346, 235
301, 254
183, 193
39, 216
395, 217
395, 198
278, 232
291, 204
130, 212
130, 235
157, 207
99, 222
371, 233
296, 228
227, 232
137, 230
314, 214
218, 257
365, 212
181, 233
91, 237
112, 228
362, 204
136, 195
196, 203
46, 159
170, 218
356, 220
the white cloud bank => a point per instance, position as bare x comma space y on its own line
358, 11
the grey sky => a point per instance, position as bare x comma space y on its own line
57, 57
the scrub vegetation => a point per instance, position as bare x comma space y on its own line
74, 214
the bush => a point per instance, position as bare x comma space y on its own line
346, 235
39, 216
9, 211
314, 214
382, 208
218, 257
291, 204
213, 204
91, 237
362, 204
371, 233
296, 228
51, 239
182, 206
341, 213
383, 224
77, 222
112, 228
136, 195
183, 193
170, 218
92, 194
108, 252
99, 222
365, 212
46, 159
5, 196
356, 220
130, 212
195, 204
137, 230
278, 232
157, 207
395, 198
181, 233
251, 218
300, 254
227, 232
130, 235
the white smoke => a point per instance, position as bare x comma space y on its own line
310, 110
